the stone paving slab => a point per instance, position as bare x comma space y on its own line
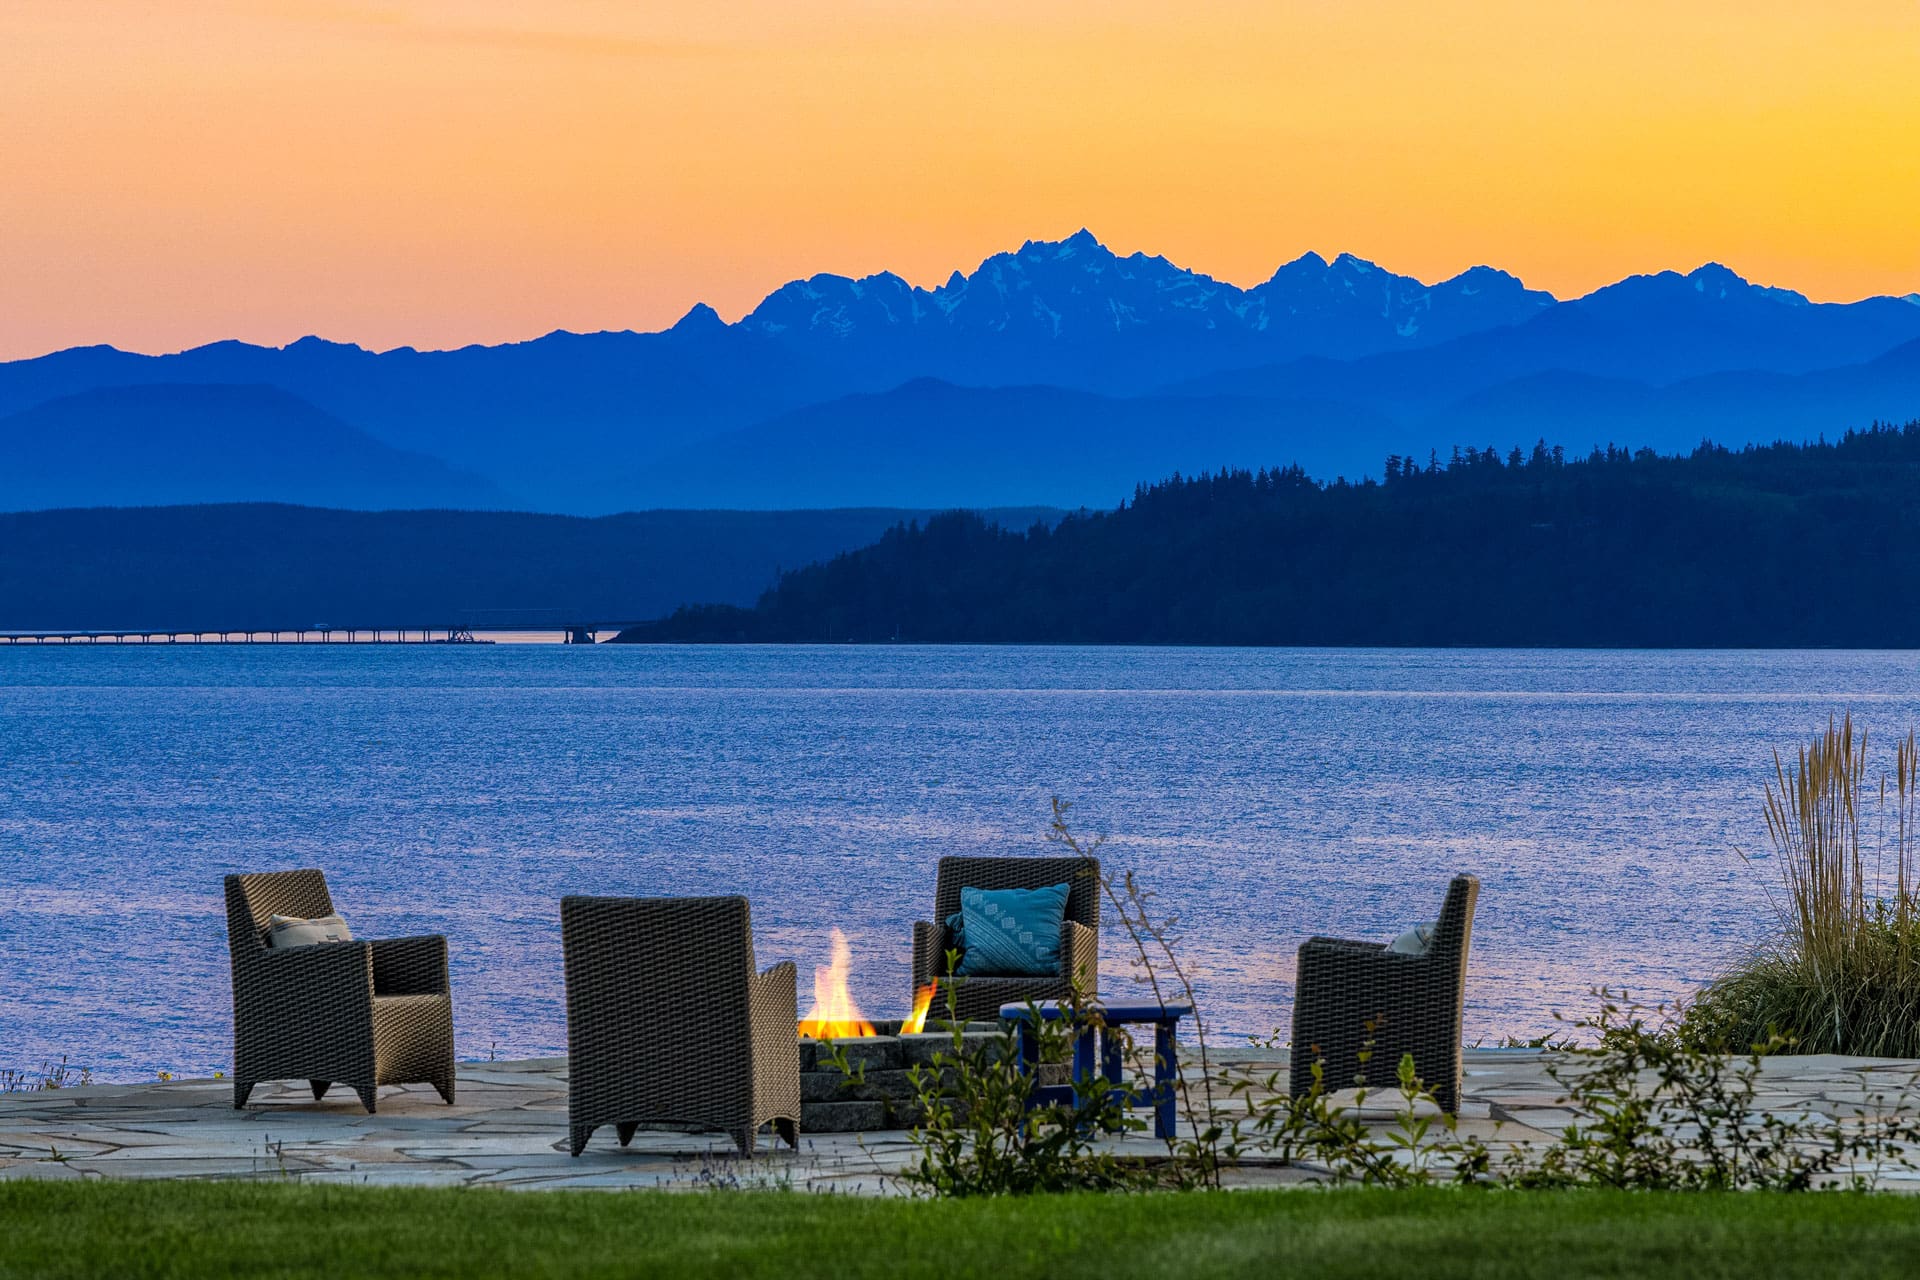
509, 1129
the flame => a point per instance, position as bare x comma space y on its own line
917, 1020
834, 1013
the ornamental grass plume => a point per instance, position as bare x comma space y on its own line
1840, 974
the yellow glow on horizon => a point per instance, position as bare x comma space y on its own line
434, 173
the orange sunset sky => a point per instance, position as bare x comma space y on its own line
433, 173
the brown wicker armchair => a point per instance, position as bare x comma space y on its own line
974, 998
361, 1013
1412, 1002
668, 1024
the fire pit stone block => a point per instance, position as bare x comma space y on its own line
875, 1086
875, 1053
919, 1050
843, 1117
883, 1096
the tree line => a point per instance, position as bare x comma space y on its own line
1779, 545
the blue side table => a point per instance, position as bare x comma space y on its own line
1166, 1060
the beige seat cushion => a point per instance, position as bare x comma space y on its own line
291, 931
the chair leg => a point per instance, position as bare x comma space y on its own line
320, 1088
367, 1097
624, 1130
446, 1089
577, 1135
788, 1131
1300, 1070
743, 1138
241, 1091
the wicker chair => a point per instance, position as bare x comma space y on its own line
361, 1013
974, 998
1412, 1002
668, 1025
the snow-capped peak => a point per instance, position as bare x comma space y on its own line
1073, 289
1716, 280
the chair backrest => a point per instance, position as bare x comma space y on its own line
1082, 874
658, 992
1454, 931
253, 901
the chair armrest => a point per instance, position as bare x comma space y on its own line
1345, 946
776, 1000
1080, 956
410, 966
327, 973
1357, 960
929, 953
774, 1042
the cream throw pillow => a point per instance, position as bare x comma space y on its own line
292, 931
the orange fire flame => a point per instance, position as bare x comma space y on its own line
834, 1014
917, 1021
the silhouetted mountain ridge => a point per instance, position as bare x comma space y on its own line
934, 444
1073, 312
134, 446
1161, 367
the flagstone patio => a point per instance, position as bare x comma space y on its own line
509, 1129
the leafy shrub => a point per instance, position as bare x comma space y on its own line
981, 1135
1660, 1113
1654, 1113
1422, 1147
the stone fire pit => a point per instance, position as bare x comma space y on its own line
830, 1102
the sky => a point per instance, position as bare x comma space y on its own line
432, 173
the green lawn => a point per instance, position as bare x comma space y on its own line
277, 1229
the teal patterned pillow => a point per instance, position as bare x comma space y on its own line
1012, 932
956, 941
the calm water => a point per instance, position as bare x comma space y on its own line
1266, 795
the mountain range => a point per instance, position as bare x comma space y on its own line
1059, 374
171, 443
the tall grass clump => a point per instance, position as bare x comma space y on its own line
1842, 972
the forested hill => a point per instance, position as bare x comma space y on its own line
1781, 545
241, 566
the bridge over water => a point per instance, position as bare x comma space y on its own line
565, 632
